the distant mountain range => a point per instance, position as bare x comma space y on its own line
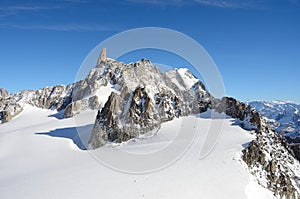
283, 116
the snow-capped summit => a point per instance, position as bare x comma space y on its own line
144, 98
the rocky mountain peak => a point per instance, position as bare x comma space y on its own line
149, 97
3, 94
102, 56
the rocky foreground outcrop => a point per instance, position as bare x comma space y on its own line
248, 118
269, 157
284, 118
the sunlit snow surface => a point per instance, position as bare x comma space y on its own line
42, 157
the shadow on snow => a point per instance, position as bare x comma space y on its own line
79, 135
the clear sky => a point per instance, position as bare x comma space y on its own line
255, 43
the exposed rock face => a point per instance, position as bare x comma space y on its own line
50, 97
239, 110
102, 56
76, 107
294, 144
146, 98
284, 118
268, 157
9, 111
8, 106
3, 95
107, 123
54, 97
140, 109
71, 99
123, 118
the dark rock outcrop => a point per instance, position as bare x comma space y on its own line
127, 116
268, 157
146, 98
9, 111
284, 118
149, 97
107, 123
9, 108
3, 95
241, 111
294, 144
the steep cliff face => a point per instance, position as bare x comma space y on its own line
89, 93
270, 159
107, 123
9, 108
3, 95
248, 118
147, 97
284, 118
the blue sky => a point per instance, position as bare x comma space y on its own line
255, 43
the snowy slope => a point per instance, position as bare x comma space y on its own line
39, 159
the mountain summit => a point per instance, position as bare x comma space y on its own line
143, 98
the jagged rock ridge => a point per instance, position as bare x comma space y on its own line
147, 97
268, 157
284, 118
70, 99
